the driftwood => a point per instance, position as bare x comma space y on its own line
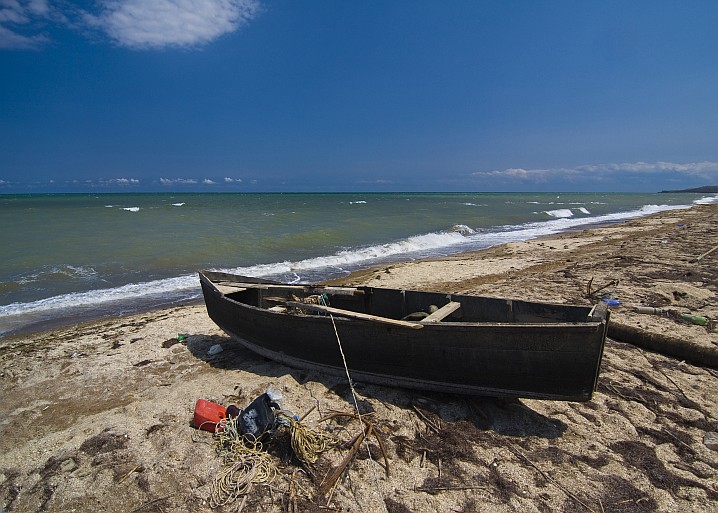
700, 257
664, 344
331, 479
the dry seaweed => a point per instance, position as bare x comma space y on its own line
644, 458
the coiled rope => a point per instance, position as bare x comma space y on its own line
246, 461
246, 464
306, 442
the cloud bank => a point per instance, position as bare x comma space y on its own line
135, 24
699, 170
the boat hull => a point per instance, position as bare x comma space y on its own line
543, 360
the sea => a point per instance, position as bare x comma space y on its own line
68, 258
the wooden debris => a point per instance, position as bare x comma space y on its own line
431, 424
331, 479
700, 257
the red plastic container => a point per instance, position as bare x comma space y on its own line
207, 415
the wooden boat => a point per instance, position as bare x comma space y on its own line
470, 344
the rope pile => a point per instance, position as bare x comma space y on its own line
246, 461
306, 442
246, 464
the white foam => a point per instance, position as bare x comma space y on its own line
357, 256
131, 209
537, 229
177, 204
360, 202
70, 271
708, 200
584, 210
101, 296
463, 229
560, 212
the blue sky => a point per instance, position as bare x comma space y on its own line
245, 95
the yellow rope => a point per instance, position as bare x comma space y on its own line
306, 442
247, 464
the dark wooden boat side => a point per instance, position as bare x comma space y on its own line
520, 349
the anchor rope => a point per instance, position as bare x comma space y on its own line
324, 302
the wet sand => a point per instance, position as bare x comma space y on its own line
97, 416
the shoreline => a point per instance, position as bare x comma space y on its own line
41, 328
58, 323
109, 402
614, 258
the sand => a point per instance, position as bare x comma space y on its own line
96, 417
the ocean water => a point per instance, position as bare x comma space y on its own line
73, 257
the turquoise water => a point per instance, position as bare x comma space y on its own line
82, 256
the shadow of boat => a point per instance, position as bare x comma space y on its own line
508, 417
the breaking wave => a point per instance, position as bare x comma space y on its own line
458, 238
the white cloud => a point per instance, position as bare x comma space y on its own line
232, 180
528, 175
17, 18
704, 170
699, 169
379, 181
136, 24
142, 24
123, 181
207, 181
172, 181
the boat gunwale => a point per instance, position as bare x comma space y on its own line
443, 324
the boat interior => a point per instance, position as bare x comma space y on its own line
404, 305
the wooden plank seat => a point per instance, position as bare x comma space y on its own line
354, 315
443, 312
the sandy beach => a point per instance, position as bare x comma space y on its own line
96, 417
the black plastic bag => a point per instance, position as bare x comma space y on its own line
257, 418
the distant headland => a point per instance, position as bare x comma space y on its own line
705, 188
